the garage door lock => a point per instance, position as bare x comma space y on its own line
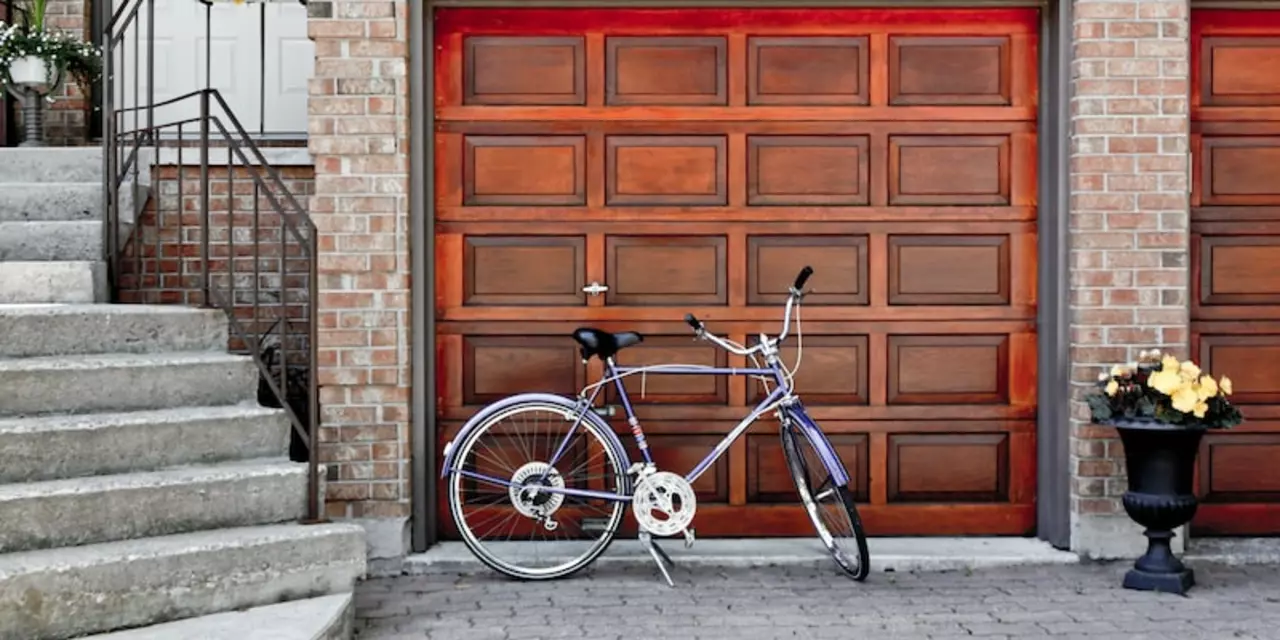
595, 289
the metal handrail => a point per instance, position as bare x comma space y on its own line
233, 246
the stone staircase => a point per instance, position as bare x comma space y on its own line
144, 493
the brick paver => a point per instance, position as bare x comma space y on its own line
1082, 601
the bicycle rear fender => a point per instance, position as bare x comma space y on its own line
506, 403
830, 458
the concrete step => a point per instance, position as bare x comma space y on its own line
50, 165
124, 382
323, 618
51, 201
51, 241
55, 594
80, 329
53, 282
55, 447
58, 513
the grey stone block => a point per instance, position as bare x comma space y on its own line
69, 592
80, 201
55, 513
124, 382
51, 164
53, 282
51, 241
53, 447
322, 618
55, 330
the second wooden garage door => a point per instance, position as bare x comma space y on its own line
1235, 245
693, 161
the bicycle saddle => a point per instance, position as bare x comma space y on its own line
603, 344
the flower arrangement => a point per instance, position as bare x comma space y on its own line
1162, 389
63, 52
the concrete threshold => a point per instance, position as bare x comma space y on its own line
887, 554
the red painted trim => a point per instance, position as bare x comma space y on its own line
755, 21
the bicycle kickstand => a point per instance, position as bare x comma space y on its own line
659, 556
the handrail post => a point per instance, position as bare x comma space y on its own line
204, 197
313, 384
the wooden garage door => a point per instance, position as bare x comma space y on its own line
1235, 245
693, 161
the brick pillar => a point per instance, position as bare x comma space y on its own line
359, 132
66, 120
1129, 229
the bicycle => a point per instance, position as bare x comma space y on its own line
553, 489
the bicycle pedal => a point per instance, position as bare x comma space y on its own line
689, 538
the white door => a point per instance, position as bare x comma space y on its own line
261, 62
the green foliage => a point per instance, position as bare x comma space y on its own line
60, 51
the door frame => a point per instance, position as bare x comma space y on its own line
1053, 428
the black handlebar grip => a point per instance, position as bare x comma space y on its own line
693, 322
803, 277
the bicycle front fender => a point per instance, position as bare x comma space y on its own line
830, 458
569, 404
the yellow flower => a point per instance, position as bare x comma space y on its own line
1112, 387
1225, 383
1207, 388
1185, 399
1190, 371
1119, 371
1200, 409
1165, 381
1169, 363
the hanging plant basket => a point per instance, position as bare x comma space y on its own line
1161, 408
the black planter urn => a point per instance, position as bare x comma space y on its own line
1160, 460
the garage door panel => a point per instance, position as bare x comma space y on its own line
949, 70
1240, 71
1240, 468
1239, 270
666, 170
667, 70
657, 350
808, 170
515, 70
949, 269
834, 370
524, 170
949, 170
773, 261
1251, 361
677, 271
970, 467
1239, 170
494, 367
808, 71
892, 150
524, 270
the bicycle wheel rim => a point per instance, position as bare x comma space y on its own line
523, 556
829, 507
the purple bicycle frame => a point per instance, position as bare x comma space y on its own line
794, 410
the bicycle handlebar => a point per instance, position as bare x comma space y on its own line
792, 299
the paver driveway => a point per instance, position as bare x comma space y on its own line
1072, 601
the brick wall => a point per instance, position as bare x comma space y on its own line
66, 120
1129, 228
359, 140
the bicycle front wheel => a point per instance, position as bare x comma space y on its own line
830, 506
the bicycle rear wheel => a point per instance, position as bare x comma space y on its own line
830, 506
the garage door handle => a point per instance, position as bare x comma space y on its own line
595, 289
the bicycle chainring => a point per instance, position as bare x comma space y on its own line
664, 503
